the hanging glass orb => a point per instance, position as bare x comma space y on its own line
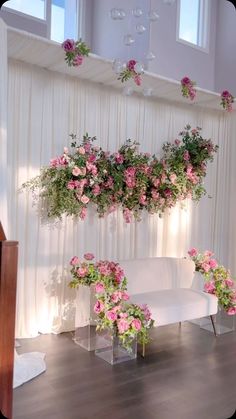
150, 56
147, 91
121, 14
128, 91
153, 16
115, 14
139, 68
140, 29
128, 39
137, 12
118, 66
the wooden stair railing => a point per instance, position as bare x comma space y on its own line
8, 279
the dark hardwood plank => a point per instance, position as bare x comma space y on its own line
187, 374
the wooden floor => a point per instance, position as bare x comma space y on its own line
187, 374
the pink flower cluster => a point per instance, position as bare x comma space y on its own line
187, 88
227, 100
130, 72
75, 52
218, 279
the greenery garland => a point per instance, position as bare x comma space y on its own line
126, 179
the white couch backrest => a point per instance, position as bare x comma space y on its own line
153, 274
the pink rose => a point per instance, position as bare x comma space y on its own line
74, 261
89, 256
209, 287
81, 150
173, 178
156, 182
119, 158
137, 80
78, 60
193, 252
66, 150
83, 213
206, 267
71, 185
186, 155
231, 311
177, 142
185, 81
125, 296
123, 325
87, 147
96, 190
68, 45
99, 288
85, 199
111, 315
213, 263
99, 306
123, 315
143, 199
130, 65
229, 282
76, 171
136, 324
82, 272
208, 253
225, 94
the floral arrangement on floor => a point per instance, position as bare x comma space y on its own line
75, 52
227, 100
218, 279
187, 88
126, 179
126, 320
133, 71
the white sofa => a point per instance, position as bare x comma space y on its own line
167, 286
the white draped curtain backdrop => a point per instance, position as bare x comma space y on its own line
44, 107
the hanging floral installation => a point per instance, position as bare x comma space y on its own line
126, 179
114, 312
75, 51
227, 100
133, 71
218, 280
187, 88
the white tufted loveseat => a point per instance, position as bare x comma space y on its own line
168, 287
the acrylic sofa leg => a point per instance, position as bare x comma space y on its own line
143, 350
213, 325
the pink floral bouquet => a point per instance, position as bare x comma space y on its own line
75, 52
227, 100
126, 320
187, 88
126, 179
218, 279
131, 72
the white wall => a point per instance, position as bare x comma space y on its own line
225, 62
174, 59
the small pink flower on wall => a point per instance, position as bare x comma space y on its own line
133, 70
75, 52
227, 100
187, 88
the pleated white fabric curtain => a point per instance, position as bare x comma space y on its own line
44, 108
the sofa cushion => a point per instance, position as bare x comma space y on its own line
171, 306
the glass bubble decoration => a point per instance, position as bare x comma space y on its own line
147, 91
115, 14
128, 91
122, 14
128, 39
137, 12
153, 16
118, 66
150, 56
140, 29
139, 68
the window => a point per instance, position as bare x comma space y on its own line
193, 22
34, 8
56, 19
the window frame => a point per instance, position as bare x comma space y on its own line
43, 25
204, 23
